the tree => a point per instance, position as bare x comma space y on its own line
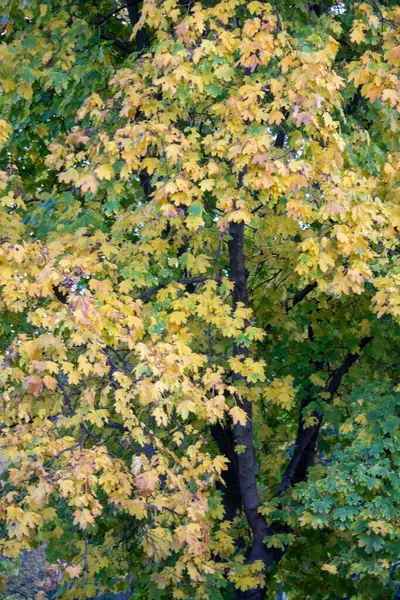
200, 296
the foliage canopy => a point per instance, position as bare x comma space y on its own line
200, 296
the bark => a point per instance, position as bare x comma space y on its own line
246, 465
300, 295
306, 439
244, 468
230, 488
243, 433
142, 40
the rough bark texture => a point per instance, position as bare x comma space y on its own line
246, 464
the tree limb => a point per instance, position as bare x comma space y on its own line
306, 439
300, 295
124, 47
185, 281
142, 40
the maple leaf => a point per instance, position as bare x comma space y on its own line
357, 35
329, 568
83, 304
105, 172
50, 382
66, 486
238, 415
173, 152
147, 481
34, 385
69, 175
220, 463
325, 262
225, 72
87, 183
83, 518
74, 571
391, 95
5, 131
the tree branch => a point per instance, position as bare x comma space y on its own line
117, 43
306, 439
246, 464
185, 281
223, 436
116, 11
142, 40
300, 295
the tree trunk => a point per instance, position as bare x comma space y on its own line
246, 465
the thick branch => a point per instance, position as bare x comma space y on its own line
124, 47
117, 10
300, 295
230, 489
306, 440
246, 463
145, 182
243, 433
142, 40
185, 281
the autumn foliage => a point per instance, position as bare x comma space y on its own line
200, 296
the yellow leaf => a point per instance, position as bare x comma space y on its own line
391, 95
329, 568
25, 90
185, 407
146, 481
69, 175
220, 463
150, 164
66, 486
200, 264
325, 262
238, 415
225, 72
105, 172
160, 416
5, 131
88, 183
74, 377
83, 518
16, 253
361, 419
49, 514
74, 571
174, 152
50, 382
275, 116
357, 35
207, 185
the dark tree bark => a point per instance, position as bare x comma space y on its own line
244, 469
246, 465
142, 40
306, 440
230, 488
